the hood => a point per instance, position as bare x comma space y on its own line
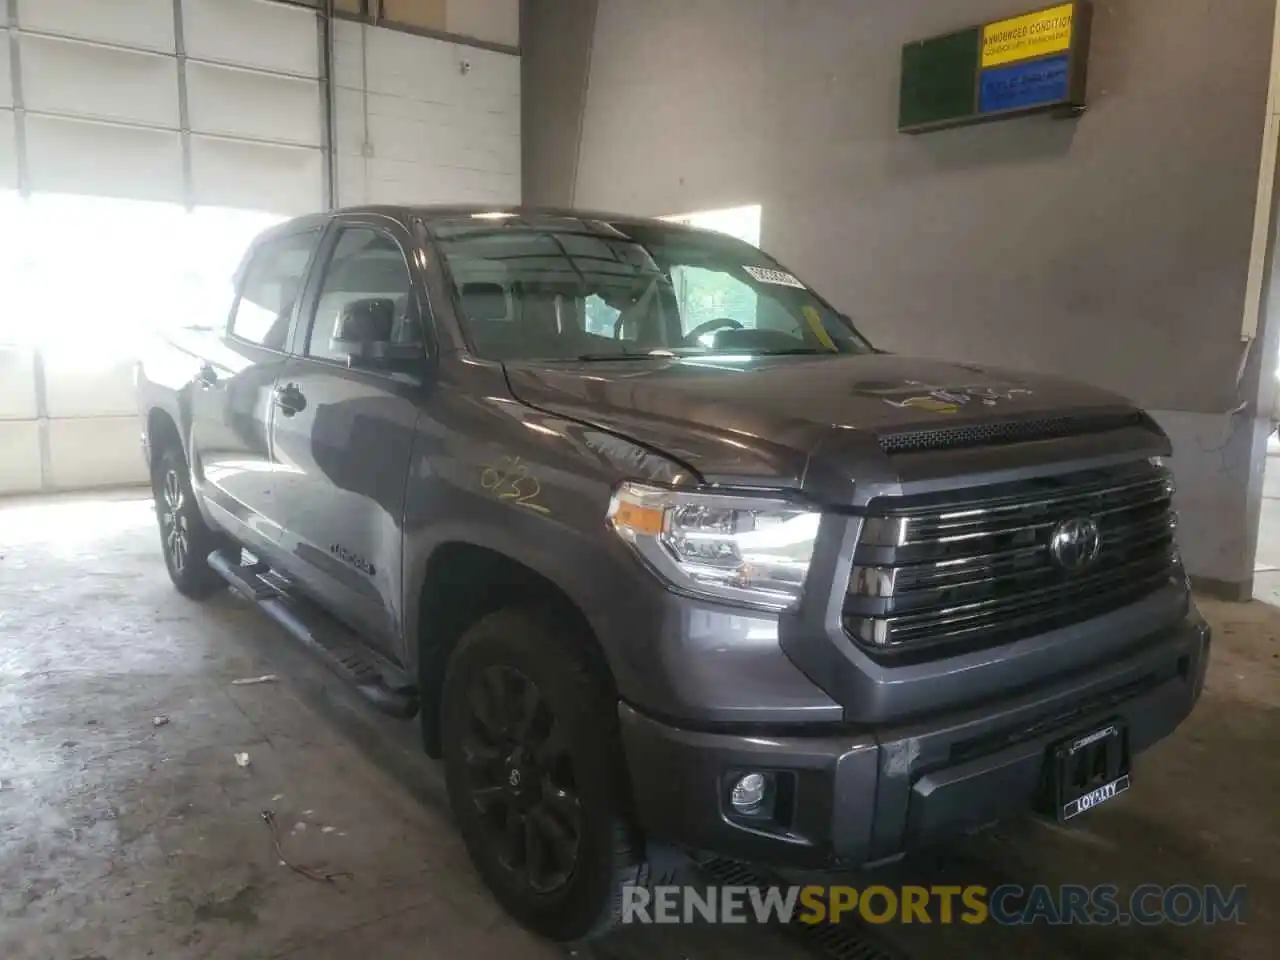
760, 421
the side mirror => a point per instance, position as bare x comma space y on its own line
364, 330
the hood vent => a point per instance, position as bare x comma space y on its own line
1011, 431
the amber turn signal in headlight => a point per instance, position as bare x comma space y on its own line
740, 549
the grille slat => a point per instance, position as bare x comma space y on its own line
977, 567
921, 525
979, 526
995, 608
1012, 562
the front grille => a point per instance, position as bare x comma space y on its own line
976, 568
1008, 431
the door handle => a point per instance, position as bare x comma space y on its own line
207, 376
290, 399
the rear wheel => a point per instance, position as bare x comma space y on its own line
185, 538
535, 776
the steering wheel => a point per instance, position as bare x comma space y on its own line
719, 323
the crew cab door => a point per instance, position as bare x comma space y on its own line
343, 430
232, 397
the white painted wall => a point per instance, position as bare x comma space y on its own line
421, 120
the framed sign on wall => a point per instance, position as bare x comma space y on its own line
1031, 63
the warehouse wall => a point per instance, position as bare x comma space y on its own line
1114, 248
423, 120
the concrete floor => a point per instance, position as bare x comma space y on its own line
120, 838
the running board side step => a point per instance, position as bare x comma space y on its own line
384, 685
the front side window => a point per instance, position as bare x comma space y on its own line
366, 265
563, 289
270, 288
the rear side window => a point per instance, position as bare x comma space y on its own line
270, 288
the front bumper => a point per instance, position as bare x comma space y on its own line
866, 794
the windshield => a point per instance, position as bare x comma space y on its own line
563, 289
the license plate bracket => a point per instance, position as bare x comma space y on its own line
1089, 770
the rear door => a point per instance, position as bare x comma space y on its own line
232, 400
343, 432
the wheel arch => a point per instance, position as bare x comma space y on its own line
464, 581
162, 431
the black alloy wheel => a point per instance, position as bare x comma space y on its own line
520, 778
185, 539
536, 772
175, 536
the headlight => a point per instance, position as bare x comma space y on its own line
747, 550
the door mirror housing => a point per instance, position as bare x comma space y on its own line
364, 332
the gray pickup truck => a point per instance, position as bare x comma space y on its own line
662, 553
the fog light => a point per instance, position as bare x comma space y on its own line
749, 792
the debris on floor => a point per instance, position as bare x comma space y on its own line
311, 873
159, 721
250, 681
242, 759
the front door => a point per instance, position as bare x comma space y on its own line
232, 396
343, 433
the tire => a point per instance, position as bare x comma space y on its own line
185, 539
565, 747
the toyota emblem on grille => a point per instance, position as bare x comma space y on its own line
1075, 543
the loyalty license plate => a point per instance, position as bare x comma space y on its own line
1090, 770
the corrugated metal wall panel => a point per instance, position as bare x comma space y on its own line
19, 456
6, 73
144, 24
285, 179
252, 33
100, 159
73, 78
260, 106
8, 152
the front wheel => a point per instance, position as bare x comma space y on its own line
534, 773
184, 536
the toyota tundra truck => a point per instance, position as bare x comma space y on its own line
662, 553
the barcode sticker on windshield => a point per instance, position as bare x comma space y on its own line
779, 277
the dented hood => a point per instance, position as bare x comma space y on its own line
760, 421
